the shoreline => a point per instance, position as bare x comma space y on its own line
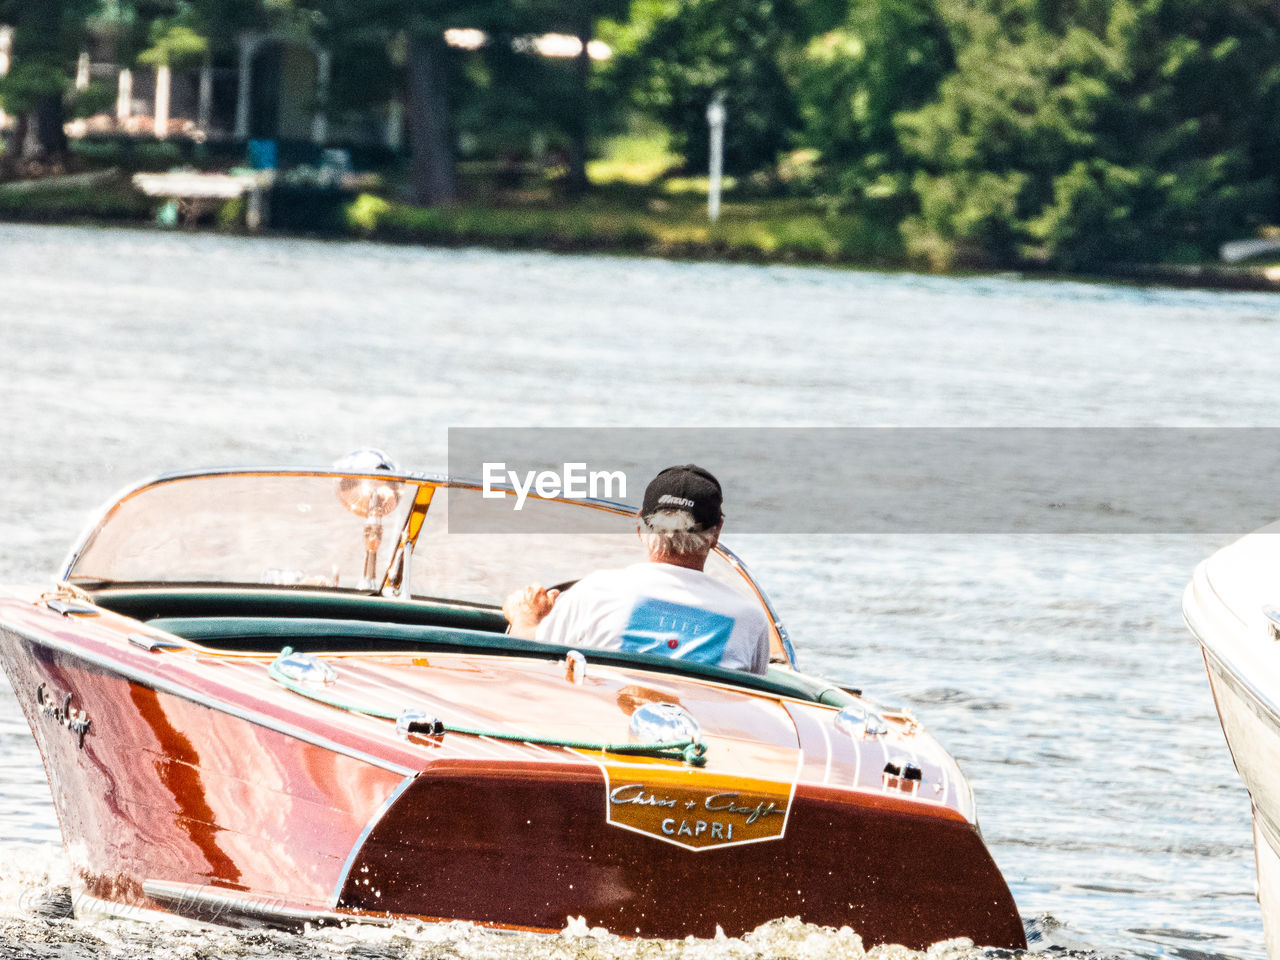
626, 242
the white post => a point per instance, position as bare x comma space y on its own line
163, 81
319, 122
6, 43
395, 124
716, 115
245, 79
204, 107
78, 128
124, 96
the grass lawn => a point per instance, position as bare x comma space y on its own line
639, 204
640, 221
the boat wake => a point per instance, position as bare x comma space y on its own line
36, 922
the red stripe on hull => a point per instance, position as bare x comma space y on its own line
159, 782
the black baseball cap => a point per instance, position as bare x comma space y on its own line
686, 487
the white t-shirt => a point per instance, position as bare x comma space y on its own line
663, 609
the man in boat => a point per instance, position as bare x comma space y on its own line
667, 605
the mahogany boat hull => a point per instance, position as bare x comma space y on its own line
165, 790
891, 876
220, 805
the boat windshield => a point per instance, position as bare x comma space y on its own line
345, 532
277, 529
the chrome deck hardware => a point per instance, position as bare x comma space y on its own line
72, 609
304, 668
664, 723
575, 667
420, 722
152, 644
860, 723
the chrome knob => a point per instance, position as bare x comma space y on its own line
304, 668
664, 723
860, 723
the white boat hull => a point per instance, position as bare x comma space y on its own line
1253, 735
1224, 607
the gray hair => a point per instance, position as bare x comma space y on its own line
674, 533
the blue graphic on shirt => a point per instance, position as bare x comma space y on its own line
675, 630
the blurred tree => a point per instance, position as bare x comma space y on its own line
47, 39
1197, 114
175, 45
1134, 130
406, 38
687, 51
126, 25
178, 33
430, 136
513, 98
500, 87
1021, 107
880, 58
578, 18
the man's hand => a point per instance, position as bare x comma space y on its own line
526, 608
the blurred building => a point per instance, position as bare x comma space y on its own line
274, 86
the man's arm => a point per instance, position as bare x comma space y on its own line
527, 608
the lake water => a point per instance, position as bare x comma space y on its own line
1056, 668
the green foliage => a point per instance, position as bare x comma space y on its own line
230, 214
133, 26
132, 154
50, 30
1027, 106
1200, 112
28, 81
762, 231
885, 56
1091, 219
1131, 132
1079, 133
47, 39
640, 157
694, 49
512, 96
96, 98
365, 212
113, 201
971, 215
365, 68
175, 45
221, 21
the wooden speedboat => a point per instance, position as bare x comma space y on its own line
1233, 607
280, 697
